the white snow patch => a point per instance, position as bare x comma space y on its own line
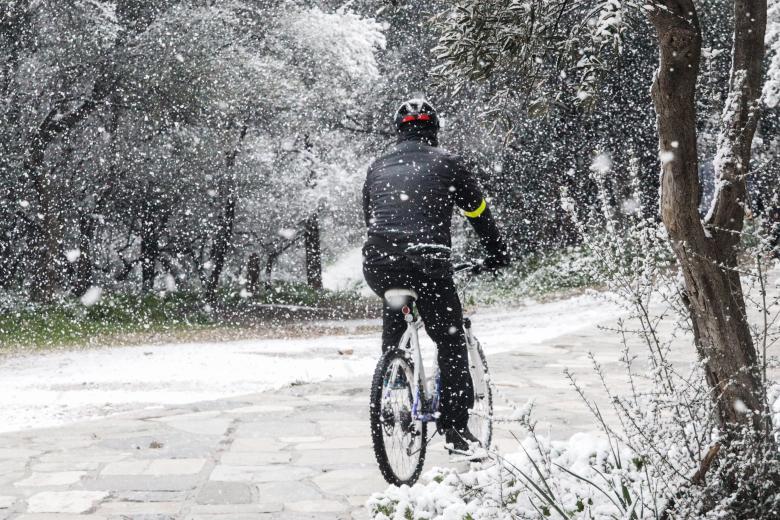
346, 273
72, 255
92, 296
602, 163
41, 390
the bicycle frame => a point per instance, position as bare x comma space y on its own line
410, 342
427, 396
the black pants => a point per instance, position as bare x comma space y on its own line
440, 308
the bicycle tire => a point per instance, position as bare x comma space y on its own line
378, 425
487, 436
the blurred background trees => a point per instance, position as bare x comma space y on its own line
184, 145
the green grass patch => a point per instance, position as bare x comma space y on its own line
69, 322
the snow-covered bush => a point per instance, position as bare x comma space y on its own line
584, 477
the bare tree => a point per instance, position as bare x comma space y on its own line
707, 250
224, 236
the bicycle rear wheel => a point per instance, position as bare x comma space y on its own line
481, 416
399, 441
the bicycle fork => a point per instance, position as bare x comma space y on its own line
475, 361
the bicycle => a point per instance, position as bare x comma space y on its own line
404, 401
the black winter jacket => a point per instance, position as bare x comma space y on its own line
408, 198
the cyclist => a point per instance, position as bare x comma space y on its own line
408, 198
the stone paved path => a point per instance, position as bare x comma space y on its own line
302, 452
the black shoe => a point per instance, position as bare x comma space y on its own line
460, 440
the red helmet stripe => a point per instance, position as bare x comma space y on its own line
412, 117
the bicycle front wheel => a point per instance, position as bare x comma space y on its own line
399, 440
481, 416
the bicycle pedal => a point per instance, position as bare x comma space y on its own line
477, 455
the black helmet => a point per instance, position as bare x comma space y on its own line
416, 110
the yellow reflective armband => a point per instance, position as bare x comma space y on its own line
477, 212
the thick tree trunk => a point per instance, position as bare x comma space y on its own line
311, 239
53, 126
707, 253
47, 242
224, 237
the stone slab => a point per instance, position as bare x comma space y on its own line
256, 508
285, 492
351, 428
274, 473
276, 429
58, 478
154, 467
76, 502
316, 506
59, 516
256, 444
50, 467
335, 458
118, 483
337, 443
139, 508
262, 409
225, 493
353, 481
216, 426
257, 458
150, 496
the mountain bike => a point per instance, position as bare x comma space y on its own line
404, 400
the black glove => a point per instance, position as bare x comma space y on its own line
496, 261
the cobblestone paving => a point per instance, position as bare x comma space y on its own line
302, 452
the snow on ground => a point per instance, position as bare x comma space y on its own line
49, 389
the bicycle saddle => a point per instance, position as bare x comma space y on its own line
397, 298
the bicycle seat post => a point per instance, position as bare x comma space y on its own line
407, 312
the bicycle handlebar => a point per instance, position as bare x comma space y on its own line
467, 266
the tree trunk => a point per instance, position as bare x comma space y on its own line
84, 267
224, 236
253, 273
269, 268
149, 254
707, 253
47, 241
53, 126
313, 253
154, 220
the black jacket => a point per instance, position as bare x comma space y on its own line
408, 198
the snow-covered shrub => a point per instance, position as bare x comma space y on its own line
583, 477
